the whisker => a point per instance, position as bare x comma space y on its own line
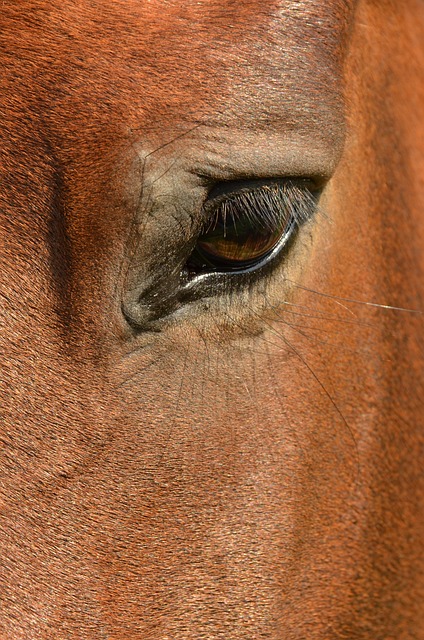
139, 372
175, 411
320, 383
287, 417
326, 316
327, 343
354, 301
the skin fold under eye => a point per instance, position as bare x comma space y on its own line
249, 226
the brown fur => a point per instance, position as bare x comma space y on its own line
251, 466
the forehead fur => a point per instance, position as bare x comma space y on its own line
180, 57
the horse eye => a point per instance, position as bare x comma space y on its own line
248, 227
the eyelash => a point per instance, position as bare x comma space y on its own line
267, 206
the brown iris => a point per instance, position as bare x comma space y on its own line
237, 242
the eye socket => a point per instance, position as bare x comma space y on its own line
248, 226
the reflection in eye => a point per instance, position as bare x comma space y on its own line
248, 227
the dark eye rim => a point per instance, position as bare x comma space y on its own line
271, 258
249, 266
216, 283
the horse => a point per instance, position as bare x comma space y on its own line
212, 291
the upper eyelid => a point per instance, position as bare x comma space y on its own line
226, 188
270, 201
